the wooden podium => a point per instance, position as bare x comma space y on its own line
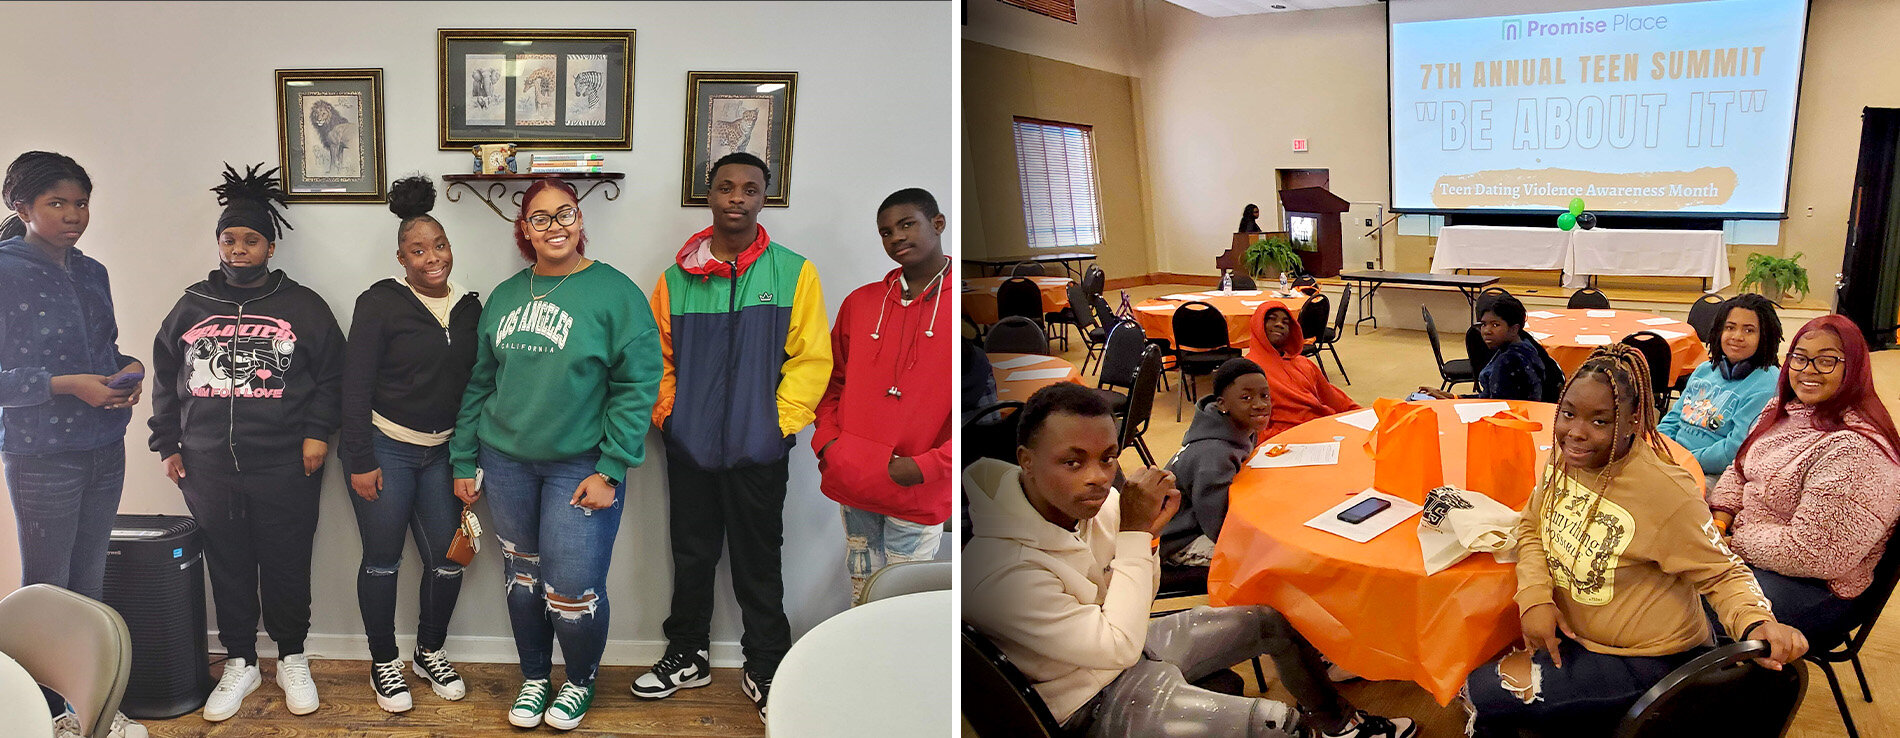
1232, 258
1324, 207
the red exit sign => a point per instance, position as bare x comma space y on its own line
1299, 144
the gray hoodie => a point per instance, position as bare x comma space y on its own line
1069, 607
1211, 454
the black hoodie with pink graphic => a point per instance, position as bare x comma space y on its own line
243, 375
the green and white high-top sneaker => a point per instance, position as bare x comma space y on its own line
530, 703
570, 706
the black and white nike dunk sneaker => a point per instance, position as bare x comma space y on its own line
679, 670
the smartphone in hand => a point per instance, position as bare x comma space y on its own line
127, 380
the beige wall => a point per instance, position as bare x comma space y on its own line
999, 84
1103, 36
1224, 97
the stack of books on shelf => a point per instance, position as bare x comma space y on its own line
565, 163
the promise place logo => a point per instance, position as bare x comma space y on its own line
1517, 29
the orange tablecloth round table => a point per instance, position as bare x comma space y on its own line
979, 301
1157, 315
1020, 389
1686, 351
1369, 606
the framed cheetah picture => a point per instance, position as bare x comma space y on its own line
330, 135
738, 111
534, 88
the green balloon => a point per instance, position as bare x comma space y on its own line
1576, 206
1567, 221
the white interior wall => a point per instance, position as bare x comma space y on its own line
151, 98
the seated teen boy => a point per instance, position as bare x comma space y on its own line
1062, 572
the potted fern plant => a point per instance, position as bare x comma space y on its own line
1774, 276
1271, 255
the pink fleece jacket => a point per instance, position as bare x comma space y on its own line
1813, 503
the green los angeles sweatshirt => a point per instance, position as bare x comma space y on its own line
554, 378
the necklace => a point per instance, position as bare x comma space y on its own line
557, 285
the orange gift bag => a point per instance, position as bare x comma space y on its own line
1404, 450
1501, 458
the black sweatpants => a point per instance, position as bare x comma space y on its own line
259, 525
744, 509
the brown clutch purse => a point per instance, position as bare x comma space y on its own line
468, 538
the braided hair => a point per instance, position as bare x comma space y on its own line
252, 200
411, 198
1624, 369
30, 176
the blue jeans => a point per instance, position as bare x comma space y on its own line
555, 559
873, 541
1584, 698
64, 505
418, 498
1807, 605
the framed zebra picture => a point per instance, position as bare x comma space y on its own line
738, 111
534, 88
330, 135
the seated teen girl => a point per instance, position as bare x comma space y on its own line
1725, 395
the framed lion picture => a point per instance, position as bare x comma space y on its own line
330, 135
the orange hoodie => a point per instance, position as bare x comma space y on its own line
1300, 393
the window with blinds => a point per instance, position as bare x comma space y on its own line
1056, 162
1062, 10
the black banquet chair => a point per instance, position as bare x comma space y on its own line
1016, 335
1201, 345
1826, 650
1702, 315
1720, 693
1141, 404
1655, 350
1451, 373
1019, 296
1590, 298
997, 699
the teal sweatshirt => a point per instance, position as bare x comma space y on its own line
1714, 414
558, 377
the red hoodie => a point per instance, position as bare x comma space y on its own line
1300, 393
879, 344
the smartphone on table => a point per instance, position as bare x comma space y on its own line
1365, 509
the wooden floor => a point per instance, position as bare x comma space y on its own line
1388, 362
349, 708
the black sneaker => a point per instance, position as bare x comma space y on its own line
392, 692
756, 688
435, 668
679, 670
1368, 725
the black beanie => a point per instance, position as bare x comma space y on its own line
250, 200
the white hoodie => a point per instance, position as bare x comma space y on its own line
1069, 608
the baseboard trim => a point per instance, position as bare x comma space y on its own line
483, 649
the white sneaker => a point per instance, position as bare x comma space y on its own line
300, 692
239, 681
392, 693
1280, 717
123, 727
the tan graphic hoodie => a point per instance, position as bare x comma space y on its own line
1069, 607
1628, 582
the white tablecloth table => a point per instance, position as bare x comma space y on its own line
1581, 254
879, 670
1500, 247
1641, 252
22, 702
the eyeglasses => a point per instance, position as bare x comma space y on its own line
1822, 364
565, 216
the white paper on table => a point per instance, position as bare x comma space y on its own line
1657, 321
1470, 412
1181, 296
1600, 313
1539, 336
1546, 314
1253, 303
1056, 373
1024, 360
1370, 528
1593, 340
1297, 454
1365, 419
1155, 308
1235, 293
1667, 335
1051, 281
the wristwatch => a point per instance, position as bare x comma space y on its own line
611, 482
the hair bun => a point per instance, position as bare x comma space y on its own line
412, 196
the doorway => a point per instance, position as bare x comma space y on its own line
1868, 287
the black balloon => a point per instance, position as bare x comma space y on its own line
1587, 221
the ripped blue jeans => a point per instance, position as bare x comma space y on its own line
555, 559
417, 498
